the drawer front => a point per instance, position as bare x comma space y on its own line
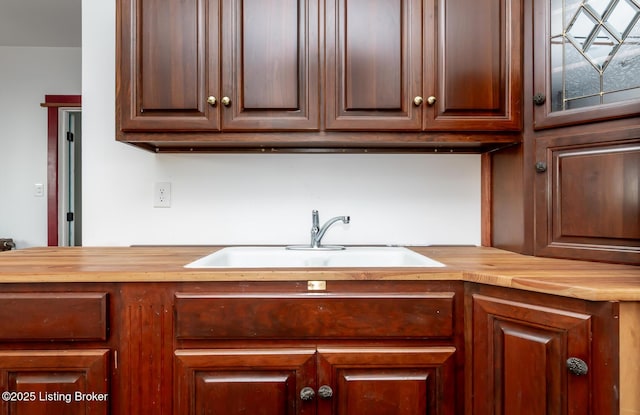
53, 316
295, 316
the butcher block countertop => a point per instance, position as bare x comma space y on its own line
578, 279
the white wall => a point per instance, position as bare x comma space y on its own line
27, 74
254, 198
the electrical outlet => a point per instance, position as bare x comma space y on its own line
162, 195
38, 190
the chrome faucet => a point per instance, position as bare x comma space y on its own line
318, 232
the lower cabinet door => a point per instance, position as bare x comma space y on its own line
39, 382
244, 381
520, 354
386, 381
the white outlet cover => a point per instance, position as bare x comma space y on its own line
162, 195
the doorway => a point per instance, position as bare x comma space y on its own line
70, 178
64, 170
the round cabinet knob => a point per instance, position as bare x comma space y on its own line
431, 100
539, 98
212, 100
226, 101
417, 101
307, 393
577, 366
541, 167
325, 392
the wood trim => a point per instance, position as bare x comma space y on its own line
53, 104
486, 200
630, 370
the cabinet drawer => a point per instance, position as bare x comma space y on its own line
334, 315
53, 316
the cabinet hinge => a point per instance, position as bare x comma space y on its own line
70, 136
115, 359
69, 216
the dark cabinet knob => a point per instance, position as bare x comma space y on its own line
541, 167
539, 99
307, 393
577, 366
325, 392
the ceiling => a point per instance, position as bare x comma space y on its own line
45, 23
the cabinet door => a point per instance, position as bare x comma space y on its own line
387, 381
235, 382
586, 61
168, 65
473, 65
270, 61
36, 382
588, 199
519, 359
373, 64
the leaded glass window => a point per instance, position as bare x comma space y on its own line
595, 52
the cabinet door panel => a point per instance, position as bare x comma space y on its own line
519, 358
593, 200
168, 64
373, 64
234, 382
387, 381
270, 64
55, 382
586, 59
473, 65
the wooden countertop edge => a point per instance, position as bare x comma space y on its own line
482, 265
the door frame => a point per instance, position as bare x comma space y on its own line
53, 103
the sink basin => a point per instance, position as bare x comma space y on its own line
280, 257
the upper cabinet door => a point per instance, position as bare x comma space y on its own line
168, 60
586, 61
270, 59
373, 64
473, 65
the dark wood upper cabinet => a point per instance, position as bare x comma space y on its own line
473, 65
202, 75
457, 68
207, 65
373, 64
586, 61
168, 65
270, 65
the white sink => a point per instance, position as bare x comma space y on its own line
280, 257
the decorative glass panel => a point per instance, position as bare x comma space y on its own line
595, 52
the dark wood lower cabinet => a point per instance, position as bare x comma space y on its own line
276, 348
336, 380
70, 382
528, 352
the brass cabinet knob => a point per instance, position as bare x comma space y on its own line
226, 101
431, 100
417, 101
212, 100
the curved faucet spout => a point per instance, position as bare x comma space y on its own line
318, 232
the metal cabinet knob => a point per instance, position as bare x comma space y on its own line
226, 101
212, 100
541, 167
539, 98
307, 393
417, 101
325, 392
431, 100
577, 366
